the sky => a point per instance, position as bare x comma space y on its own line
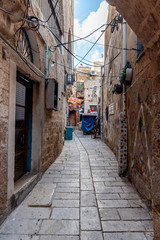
89, 15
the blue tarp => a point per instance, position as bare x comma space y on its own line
88, 123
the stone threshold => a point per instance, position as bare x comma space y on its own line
24, 186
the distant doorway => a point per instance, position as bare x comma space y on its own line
23, 127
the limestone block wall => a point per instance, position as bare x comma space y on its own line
143, 18
47, 125
139, 111
4, 113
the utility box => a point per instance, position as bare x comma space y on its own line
68, 133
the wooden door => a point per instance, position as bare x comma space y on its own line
21, 128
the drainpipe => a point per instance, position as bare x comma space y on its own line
124, 42
46, 62
124, 62
123, 148
101, 114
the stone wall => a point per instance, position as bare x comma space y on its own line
139, 110
4, 113
143, 18
47, 125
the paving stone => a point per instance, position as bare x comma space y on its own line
53, 237
115, 184
122, 213
149, 235
88, 199
113, 203
124, 236
59, 227
108, 189
25, 212
137, 203
129, 196
85, 174
109, 214
100, 179
18, 237
87, 186
134, 214
67, 196
67, 185
67, 190
20, 226
92, 235
148, 225
71, 168
106, 196
123, 226
65, 203
61, 180
90, 219
71, 172
65, 213
41, 195
129, 189
75, 176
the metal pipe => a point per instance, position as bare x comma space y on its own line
101, 114
46, 61
124, 42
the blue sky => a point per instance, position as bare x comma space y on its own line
89, 15
83, 8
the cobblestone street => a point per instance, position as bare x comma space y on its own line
81, 197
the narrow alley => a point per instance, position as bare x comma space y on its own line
81, 197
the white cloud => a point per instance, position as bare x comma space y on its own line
91, 23
97, 56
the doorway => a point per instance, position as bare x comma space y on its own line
23, 126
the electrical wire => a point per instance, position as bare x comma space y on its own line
30, 21
98, 44
44, 21
82, 38
21, 56
57, 40
80, 60
73, 69
95, 42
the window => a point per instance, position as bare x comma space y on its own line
53, 95
23, 45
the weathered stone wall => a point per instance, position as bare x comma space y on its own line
47, 125
143, 18
54, 121
139, 113
4, 112
139, 108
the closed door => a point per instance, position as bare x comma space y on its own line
21, 128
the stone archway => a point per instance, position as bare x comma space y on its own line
143, 18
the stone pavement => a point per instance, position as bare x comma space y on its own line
90, 201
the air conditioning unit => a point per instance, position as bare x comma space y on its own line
93, 73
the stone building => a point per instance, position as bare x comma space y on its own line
132, 118
86, 88
33, 66
87, 84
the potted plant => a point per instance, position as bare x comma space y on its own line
126, 75
117, 88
